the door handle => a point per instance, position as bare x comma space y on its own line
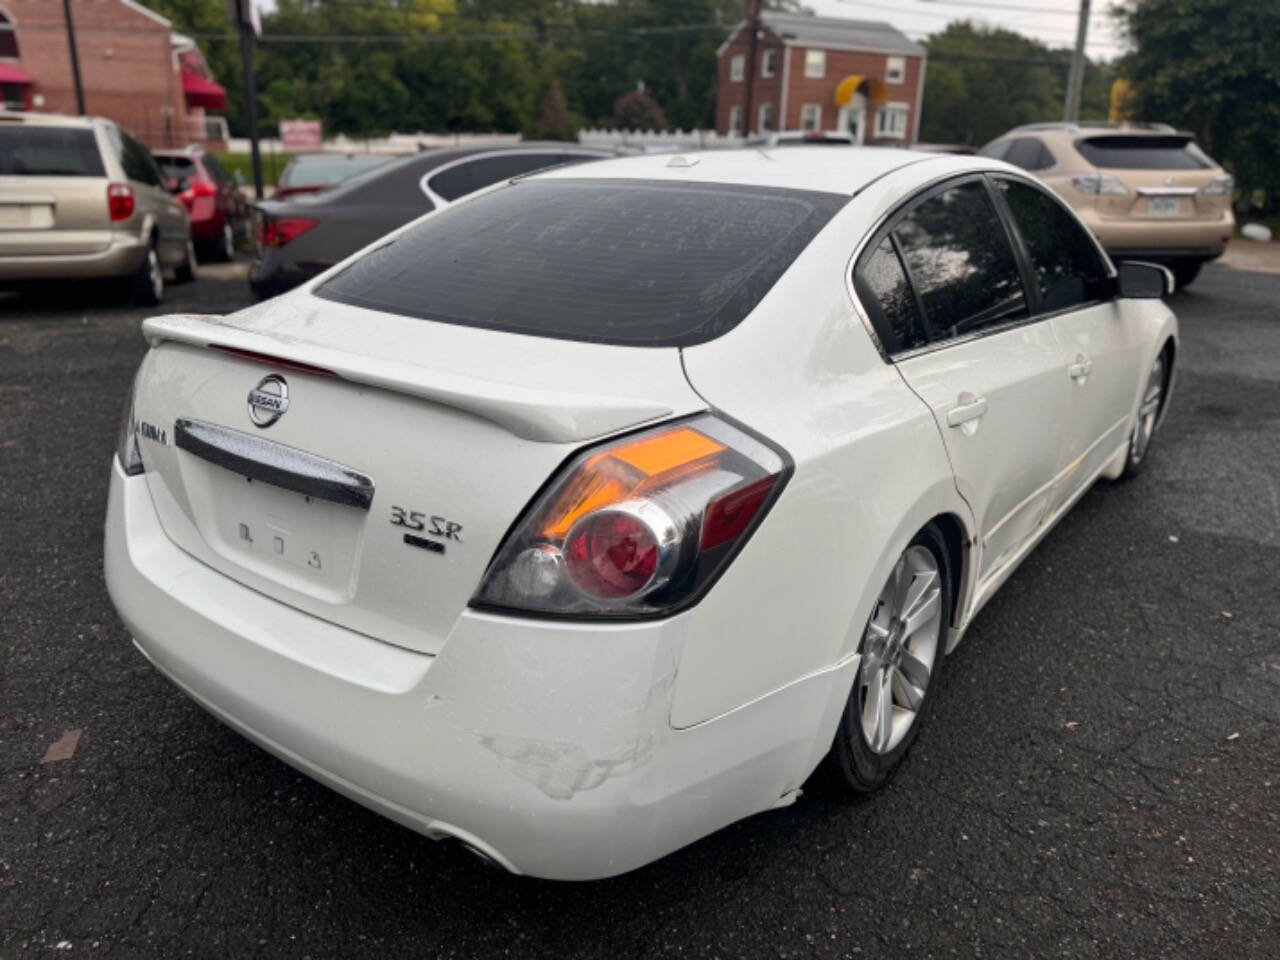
968, 407
1081, 368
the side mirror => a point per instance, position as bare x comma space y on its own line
1143, 281
179, 184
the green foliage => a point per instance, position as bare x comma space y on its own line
1213, 67
638, 111
983, 80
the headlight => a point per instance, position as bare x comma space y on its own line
639, 526
127, 449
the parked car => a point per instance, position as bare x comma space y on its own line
218, 209
1146, 191
81, 199
800, 138
310, 172
301, 237
586, 516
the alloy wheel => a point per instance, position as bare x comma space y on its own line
900, 649
1149, 410
154, 275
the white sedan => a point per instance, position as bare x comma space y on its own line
587, 516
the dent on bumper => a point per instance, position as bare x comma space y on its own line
547, 746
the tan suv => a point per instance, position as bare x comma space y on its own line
1146, 191
79, 199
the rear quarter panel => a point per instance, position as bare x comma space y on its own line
870, 471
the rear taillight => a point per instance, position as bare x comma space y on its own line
120, 201
641, 526
1221, 187
1099, 183
278, 232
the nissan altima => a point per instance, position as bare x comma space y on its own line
583, 517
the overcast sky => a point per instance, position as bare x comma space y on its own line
1050, 21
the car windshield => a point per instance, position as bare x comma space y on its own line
49, 152
175, 168
323, 170
610, 261
1143, 153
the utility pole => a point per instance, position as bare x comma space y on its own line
753, 28
1075, 79
75, 57
242, 15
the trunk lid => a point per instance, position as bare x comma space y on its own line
418, 444
42, 216
1166, 175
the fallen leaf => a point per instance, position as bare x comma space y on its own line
1172, 538
1227, 614
64, 748
1072, 724
1234, 736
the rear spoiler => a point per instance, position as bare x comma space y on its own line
533, 413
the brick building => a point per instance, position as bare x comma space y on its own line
134, 69
822, 73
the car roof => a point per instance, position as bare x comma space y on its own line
46, 119
795, 168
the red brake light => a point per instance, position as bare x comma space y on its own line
120, 201
278, 232
729, 514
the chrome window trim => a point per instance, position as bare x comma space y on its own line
918, 195
440, 202
275, 463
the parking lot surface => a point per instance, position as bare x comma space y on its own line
1100, 775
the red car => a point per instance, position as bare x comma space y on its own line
219, 212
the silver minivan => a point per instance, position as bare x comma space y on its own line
81, 199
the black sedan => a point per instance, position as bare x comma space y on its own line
301, 236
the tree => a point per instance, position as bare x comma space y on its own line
554, 122
984, 80
1210, 66
638, 111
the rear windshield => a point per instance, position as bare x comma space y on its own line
49, 152
609, 261
1143, 153
175, 167
323, 171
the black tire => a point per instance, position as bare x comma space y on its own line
1186, 273
1138, 451
852, 763
187, 270
146, 286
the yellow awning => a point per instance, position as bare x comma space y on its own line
852, 83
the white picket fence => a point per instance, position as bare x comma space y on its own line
660, 140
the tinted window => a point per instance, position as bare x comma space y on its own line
475, 174
1143, 153
1029, 154
214, 168
960, 262
883, 289
996, 150
1066, 264
49, 152
137, 162
626, 262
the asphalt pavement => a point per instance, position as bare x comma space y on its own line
1099, 777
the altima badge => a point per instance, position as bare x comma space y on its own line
268, 401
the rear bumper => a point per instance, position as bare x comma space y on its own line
122, 257
1164, 240
545, 745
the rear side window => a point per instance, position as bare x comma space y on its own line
960, 261
1068, 270
1029, 154
49, 152
1143, 153
175, 168
886, 293
996, 151
137, 162
214, 168
620, 261
484, 171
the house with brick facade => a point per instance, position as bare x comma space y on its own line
821, 73
133, 68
